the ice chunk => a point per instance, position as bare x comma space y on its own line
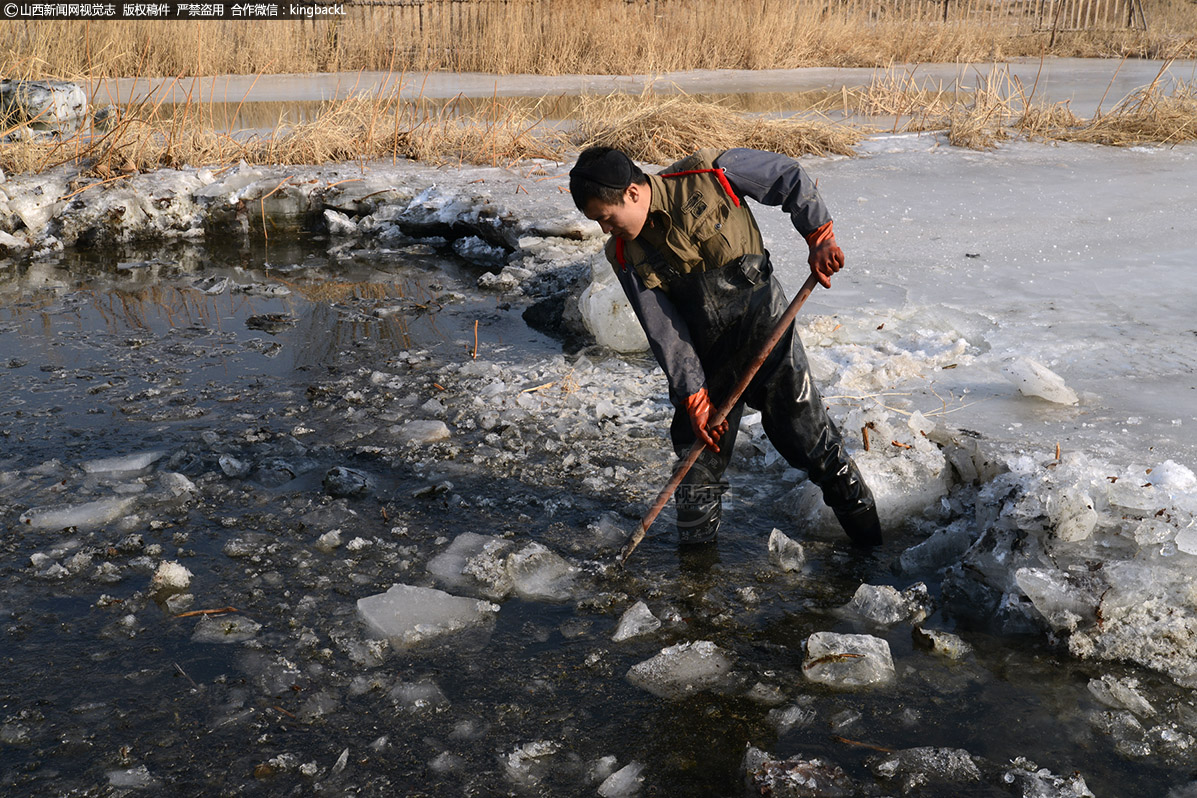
540, 574
418, 696
138, 778
1065, 600
1121, 694
409, 616
1028, 780
224, 629
638, 620
607, 532
796, 777
528, 764
177, 486
845, 660
623, 783
329, 541
1186, 539
1073, 515
339, 224
342, 481
944, 547
89, 515
233, 467
474, 249
171, 577
881, 605
129, 462
785, 553
795, 716
684, 669
1174, 477
1035, 379
45, 104
607, 314
474, 562
422, 432
916, 767
942, 643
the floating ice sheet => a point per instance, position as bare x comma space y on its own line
409, 616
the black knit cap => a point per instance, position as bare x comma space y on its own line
611, 169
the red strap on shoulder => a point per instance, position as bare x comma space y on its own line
623, 264
719, 175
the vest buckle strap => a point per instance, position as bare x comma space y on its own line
755, 267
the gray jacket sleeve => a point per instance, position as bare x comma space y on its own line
668, 335
773, 179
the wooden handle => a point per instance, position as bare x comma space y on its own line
683, 466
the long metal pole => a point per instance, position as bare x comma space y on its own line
683, 466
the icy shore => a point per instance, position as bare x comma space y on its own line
1009, 535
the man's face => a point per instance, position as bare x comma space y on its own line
624, 220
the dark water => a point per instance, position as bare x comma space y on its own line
100, 357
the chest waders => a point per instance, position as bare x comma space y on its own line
730, 312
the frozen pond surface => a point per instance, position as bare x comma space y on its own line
261, 102
288, 426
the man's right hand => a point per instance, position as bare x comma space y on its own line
698, 406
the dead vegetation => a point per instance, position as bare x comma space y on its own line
580, 36
662, 129
652, 128
995, 106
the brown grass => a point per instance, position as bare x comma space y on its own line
574, 36
662, 129
140, 139
651, 128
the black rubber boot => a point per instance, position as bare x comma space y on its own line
699, 502
862, 525
729, 317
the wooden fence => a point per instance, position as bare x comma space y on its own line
1029, 15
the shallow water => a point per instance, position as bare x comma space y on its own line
107, 359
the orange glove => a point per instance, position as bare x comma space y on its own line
826, 257
698, 405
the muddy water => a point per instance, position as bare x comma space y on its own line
115, 353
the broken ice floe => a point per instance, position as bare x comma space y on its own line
410, 616
882, 605
42, 104
225, 629
795, 777
486, 565
171, 577
785, 553
847, 661
1035, 379
685, 669
606, 312
637, 621
129, 462
88, 515
623, 783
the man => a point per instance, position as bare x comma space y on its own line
690, 258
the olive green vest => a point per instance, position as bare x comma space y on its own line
695, 223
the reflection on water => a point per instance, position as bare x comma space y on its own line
237, 117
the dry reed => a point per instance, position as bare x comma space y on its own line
578, 36
662, 129
651, 128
